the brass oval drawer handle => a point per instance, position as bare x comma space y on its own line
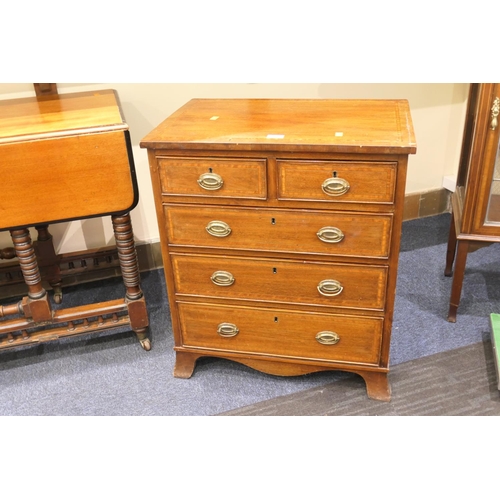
222, 278
330, 288
218, 228
335, 186
330, 234
227, 330
327, 338
210, 181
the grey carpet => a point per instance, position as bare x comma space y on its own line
457, 382
110, 374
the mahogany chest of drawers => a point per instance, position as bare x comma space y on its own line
280, 224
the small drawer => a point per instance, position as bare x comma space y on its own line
307, 283
336, 181
213, 177
301, 232
270, 332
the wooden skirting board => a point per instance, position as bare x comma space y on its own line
434, 202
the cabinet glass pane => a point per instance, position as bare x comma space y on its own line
493, 213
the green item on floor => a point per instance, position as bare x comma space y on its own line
495, 340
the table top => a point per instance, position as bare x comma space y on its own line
64, 157
60, 115
330, 125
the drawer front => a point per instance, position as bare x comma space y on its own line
281, 333
301, 232
213, 178
332, 181
339, 285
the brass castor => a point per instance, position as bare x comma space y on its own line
146, 344
58, 296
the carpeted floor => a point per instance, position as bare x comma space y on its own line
437, 368
458, 382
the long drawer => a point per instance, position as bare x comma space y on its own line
299, 231
281, 333
274, 280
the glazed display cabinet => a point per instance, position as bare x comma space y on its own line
476, 200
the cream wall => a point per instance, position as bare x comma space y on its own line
438, 112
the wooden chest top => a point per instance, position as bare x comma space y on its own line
319, 125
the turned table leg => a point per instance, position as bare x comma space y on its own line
127, 256
7, 253
48, 260
37, 305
